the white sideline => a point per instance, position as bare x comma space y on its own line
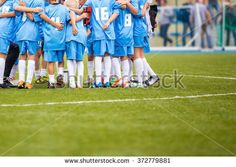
118, 100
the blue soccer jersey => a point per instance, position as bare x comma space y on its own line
7, 24
28, 30
101, 12
140, 27
54, 40
81, 37
124, 26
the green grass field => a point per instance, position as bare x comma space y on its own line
164, 125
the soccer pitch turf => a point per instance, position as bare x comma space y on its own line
199, 119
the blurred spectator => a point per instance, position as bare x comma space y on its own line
230, 22
165, 19
153, 13
213, 4
184, 17
201, 18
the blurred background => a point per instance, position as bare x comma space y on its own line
189, 25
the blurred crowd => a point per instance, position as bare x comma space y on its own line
199, 18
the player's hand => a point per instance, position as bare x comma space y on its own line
59, 26
74, 31
21, 3
84, 16
105, 27
37, 10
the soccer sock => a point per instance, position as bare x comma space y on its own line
2, 68
116, 67
37, 74
60, 71
138, 64
98, 69
43, 72
107, 72
30, 71
13, 71
125, 71
51, 78
80, 77
145, 70
149, 69
103, 69
22, 66
90, 69
130, 69
71, 69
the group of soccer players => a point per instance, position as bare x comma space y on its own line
115, 33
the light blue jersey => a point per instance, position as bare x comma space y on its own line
28, 30
81, 37
101, 12
54, 40
140, 27
7, 24
124, 26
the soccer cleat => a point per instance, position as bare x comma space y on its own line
21, 85
28, 86
51, 85
126, 85
60, 82
107, 85
44, 79
99, 85
152, 80
72, 83
4, 85
9, 83
116, 83
38, 81
140, 85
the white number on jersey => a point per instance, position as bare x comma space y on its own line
56, 19
128, 20
102, 13
5, 9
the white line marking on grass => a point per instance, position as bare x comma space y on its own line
211, 77
203, 76
117, 100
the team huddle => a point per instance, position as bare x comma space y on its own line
114, 33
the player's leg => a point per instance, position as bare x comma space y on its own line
43, 72
98, 53
71, 50
12, 58
4, 48
22, 64
50, 58
80, 64
116, 71
90, 64
60, 75
32, 51
37, 67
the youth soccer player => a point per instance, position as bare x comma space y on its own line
55, 18
103, 15
76, 39
124, 43
141, 43
27, 40
7, 15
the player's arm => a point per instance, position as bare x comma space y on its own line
2, 2
144, 10
129, 5
29, 10
73, 22
7, 15
59, 26
110, 20
78, 11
